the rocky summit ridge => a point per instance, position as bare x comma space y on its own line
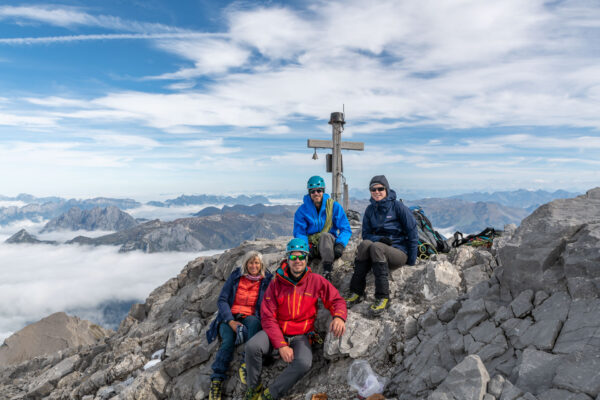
518, 321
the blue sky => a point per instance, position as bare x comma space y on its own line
152, 98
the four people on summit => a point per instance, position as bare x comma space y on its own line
285, 308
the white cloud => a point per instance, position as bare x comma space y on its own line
63, 236
10, 229
181, 85
71, 16
277, 130
276, 32
168, 213
26, 120
34, 278
114, 36
210, 56
11, 203
211, 146
55, 101
137, 141
444, 63
56, 154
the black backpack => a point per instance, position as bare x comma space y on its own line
430, 241
485, 238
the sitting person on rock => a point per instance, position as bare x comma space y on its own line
390, 240
288, 317
238, 318
322, 223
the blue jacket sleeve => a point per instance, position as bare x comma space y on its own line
224, 298
409, 225
367, 229
340, 221
300, 225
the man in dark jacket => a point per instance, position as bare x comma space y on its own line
323, 224
390, 239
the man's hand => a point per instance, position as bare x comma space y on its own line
337, 326
338, 250
386, 240
286, 353
233, 324
314, 253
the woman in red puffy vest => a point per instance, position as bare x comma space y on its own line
238, 318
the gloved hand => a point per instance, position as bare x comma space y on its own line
314, 253
338, 250
386, 240
241, 334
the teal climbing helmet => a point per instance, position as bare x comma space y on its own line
297, 244
315, 182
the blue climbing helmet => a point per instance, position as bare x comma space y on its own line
315, 182
297, 244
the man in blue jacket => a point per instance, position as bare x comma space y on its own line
323, 223
390, 239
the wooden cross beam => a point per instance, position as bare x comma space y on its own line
328, 144
336, 145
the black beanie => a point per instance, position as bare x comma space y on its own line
380, 179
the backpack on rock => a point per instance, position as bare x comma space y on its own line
430, 241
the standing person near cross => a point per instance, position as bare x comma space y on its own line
322, 222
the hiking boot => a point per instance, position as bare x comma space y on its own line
254, 393
379, 305
327, 269
242, 372
352, 300
216, 386
266, 395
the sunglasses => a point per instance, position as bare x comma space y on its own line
301, 257
378, 189
313, 191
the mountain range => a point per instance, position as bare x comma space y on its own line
528, 199
219, 228
110, 218
195, 233
39, 211
185, 200
41, 208
461, 215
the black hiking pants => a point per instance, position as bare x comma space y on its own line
378, 257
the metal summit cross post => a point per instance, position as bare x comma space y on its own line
334, 160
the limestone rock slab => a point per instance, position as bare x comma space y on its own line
467, 381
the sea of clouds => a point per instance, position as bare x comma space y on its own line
38, 280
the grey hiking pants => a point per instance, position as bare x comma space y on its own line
260, 345
326, 245
378, 252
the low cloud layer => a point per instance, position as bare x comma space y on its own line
35, 279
